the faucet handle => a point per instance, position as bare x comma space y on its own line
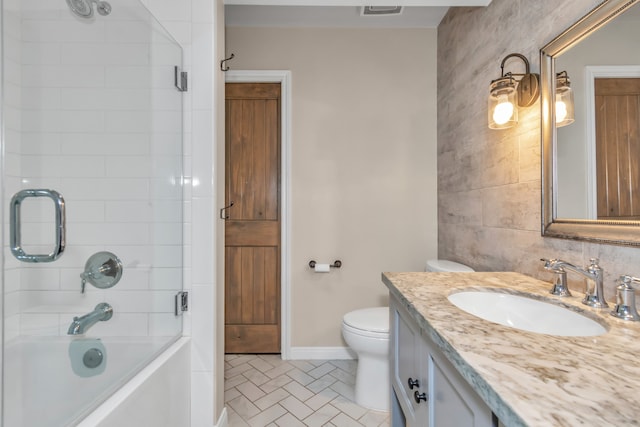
626, 299
560, 287
549, 264
625, 280
629, 282
594, 268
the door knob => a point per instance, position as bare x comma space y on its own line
420, 397
413, 383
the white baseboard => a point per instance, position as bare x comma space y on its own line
223, 421
321, 353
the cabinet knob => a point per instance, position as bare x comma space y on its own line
420, 397
413, 383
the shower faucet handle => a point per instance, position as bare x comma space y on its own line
103, 270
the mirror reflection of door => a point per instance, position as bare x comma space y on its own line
617, 102
252, 230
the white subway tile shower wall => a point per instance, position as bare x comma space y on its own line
97, 119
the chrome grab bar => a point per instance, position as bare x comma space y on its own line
15, 225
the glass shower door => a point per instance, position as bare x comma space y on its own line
91, 112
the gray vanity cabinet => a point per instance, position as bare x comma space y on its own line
409, 372
450, 400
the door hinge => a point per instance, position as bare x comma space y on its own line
182, 302
180, 79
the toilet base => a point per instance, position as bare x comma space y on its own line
373, 385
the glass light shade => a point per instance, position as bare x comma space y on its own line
565, 113
503, 110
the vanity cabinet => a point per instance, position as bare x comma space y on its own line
408, 371
426, 388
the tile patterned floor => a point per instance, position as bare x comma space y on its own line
266, 391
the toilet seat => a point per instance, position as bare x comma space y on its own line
370, 322
364, 333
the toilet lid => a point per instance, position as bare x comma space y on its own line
443, 265
369, 319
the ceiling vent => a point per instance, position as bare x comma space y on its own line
381, 10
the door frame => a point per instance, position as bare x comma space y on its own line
591, 73
284, 78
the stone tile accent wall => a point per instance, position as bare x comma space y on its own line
489, 187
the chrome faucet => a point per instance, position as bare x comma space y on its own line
594, 296
560, 287
626, 299
80, 325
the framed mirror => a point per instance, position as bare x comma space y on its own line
591, 166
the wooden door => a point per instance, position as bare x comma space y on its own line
252, 236
617, 103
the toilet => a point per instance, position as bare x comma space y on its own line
446, 266
366, 331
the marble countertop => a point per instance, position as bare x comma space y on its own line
529, 379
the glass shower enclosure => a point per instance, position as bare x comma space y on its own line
92, 203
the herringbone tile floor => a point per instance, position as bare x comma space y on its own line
266, 391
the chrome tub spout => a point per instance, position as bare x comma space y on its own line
80, 325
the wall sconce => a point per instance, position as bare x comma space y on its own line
565, 114
508, 93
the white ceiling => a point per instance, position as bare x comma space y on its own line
338, 13
330, 16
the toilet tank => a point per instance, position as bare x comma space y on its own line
443, 265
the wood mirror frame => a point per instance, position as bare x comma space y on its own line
600, 231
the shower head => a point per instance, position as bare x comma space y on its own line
84, 8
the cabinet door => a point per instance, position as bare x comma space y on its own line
406, 356
455, 404
451, 402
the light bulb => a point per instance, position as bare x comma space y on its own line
561, 111
503, 111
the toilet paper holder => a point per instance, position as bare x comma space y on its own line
336, 264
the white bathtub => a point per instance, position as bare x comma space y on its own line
48, 383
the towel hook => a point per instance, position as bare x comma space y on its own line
222, 211
223, 65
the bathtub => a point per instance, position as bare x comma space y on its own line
69, 381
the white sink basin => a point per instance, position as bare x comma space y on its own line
526, 314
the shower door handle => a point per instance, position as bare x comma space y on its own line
15, 225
